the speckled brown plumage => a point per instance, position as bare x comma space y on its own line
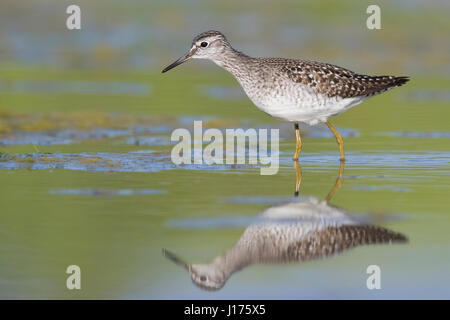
324, 78
334, 240
293, 232
333, 81
294, 90
291, 89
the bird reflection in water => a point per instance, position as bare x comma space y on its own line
298, 231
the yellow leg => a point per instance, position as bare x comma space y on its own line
298, 177
339, 140
338, 184
298, 143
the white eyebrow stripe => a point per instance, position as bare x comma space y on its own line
210, 39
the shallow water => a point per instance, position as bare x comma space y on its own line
112, 213
86, 176
109, 199
75, 87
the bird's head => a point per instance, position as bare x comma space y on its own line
205, 276
207, 45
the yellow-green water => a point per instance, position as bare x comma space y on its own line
111, 200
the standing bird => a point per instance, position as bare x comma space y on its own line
290, 89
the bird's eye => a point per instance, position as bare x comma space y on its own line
204, 44
203, 278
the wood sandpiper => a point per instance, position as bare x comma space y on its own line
290, 89
293, 232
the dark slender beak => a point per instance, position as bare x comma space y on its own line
179, 61
172, 257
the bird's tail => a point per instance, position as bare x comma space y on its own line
380, 84
397, 81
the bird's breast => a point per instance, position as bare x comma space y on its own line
289, 101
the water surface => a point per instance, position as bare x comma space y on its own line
86, 176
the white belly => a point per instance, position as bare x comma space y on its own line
298, 103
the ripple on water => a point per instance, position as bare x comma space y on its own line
418, 134
211, 223
70, 136
261, 200
382, 188
382, 158
137, 161
378, 176
150, 161
107, 192
245, 221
